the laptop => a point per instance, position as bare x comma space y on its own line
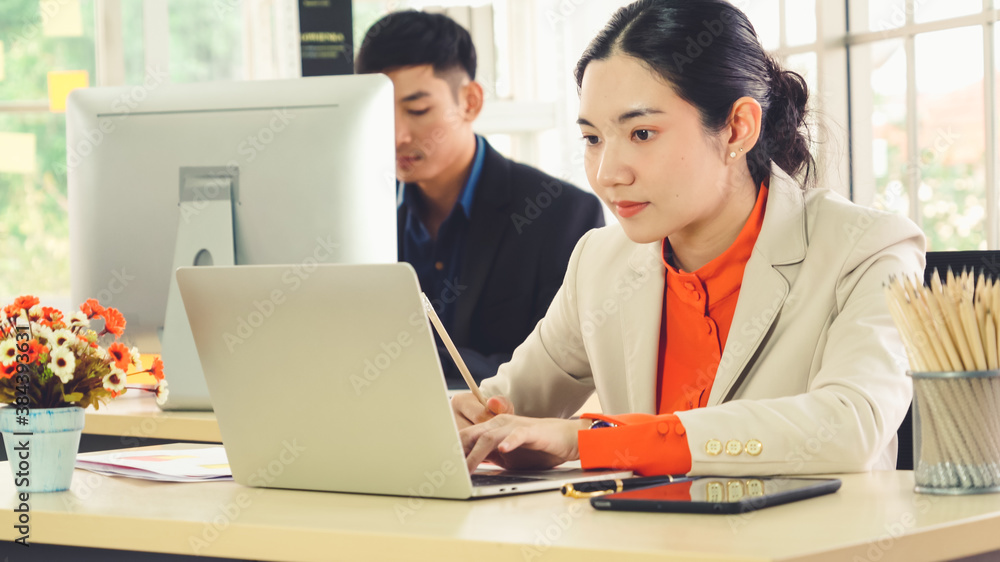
327, 378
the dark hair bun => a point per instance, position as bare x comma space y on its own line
784, 136
784, 127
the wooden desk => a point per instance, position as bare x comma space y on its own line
874, 516
137, 416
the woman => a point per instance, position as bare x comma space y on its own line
734, 323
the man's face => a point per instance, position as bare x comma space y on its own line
431, 125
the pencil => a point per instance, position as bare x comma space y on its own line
429, 309
953, 326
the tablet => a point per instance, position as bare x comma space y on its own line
717, 494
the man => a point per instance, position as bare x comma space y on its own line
489, 238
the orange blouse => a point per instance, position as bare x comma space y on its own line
692, 336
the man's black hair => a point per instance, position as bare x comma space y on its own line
411, 38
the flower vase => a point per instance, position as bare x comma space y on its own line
42, 452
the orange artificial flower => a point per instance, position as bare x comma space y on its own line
114, 322
157, 369
91, 308
11, 311
120, 354
8, 370
25, 302
50, 315
35, 349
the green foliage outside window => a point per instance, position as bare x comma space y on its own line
34, 232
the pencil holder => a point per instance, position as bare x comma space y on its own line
956, 432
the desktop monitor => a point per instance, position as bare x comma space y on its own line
305, 165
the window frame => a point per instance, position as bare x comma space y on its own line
862, 179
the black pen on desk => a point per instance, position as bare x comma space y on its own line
601, 487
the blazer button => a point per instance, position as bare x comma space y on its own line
663, 428
733, 447
735, 491
715, 492
754, 447
713, 447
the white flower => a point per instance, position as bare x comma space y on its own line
101, 353
136, 359
62, 338
162, 392
35, 312
79, 319
43, 334
63, 363
115, 380
8, 351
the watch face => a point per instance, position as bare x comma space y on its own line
600, 423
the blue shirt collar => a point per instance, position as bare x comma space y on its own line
406, 194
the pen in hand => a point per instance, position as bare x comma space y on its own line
429, 309
601, 487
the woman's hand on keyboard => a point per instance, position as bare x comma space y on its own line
521, 443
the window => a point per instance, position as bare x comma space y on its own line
34, 237
924, 115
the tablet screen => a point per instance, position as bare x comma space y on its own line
718, 490
718, 494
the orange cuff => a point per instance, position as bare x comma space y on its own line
644, 443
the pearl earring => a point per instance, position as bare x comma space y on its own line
732, 154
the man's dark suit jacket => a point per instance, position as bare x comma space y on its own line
523, 228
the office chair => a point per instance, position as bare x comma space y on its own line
979, 261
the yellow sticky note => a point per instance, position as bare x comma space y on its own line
17, 153
61, 18
61, 83
1, 60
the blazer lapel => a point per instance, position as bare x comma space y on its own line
641, 312
782, 241
485, 234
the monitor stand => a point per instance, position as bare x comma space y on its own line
204, 237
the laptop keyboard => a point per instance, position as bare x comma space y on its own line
500, 479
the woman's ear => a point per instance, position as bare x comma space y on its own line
744, 127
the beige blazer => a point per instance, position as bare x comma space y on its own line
813, 367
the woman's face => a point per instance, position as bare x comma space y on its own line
648, 156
